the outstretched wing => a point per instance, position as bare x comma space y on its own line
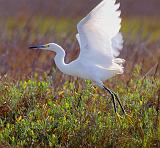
98, 34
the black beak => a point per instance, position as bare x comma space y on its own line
37, 47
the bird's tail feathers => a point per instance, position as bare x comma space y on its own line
119, 61
117, 67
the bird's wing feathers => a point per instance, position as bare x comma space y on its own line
117, 44
98, 33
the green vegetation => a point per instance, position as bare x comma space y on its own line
36, 114
40, 107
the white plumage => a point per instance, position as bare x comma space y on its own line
100, 43
100, 40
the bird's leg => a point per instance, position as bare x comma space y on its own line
113, 98
129, 118
119, 102
116, 97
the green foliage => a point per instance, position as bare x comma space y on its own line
33, 113
41, 116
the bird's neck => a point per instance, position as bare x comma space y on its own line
59, 58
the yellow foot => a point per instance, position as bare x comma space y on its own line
129, 119
118, 118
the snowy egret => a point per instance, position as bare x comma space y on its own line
100, 43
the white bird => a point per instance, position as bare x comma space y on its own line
100, 43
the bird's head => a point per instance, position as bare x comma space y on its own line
50, 47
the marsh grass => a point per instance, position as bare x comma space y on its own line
34, 113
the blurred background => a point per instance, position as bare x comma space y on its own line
74, 8
27, 22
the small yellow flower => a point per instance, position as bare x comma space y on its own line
141, 102
19, 119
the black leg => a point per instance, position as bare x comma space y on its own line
113, 98
117, 98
